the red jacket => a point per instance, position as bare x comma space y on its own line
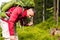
15, 16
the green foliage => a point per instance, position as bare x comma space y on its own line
39, 10
7, 6
3, 5
1, 34
50, 23
49, 13
3, 14
26, 3
20, 3
33, 33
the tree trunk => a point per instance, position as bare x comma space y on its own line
55, 9
44, 10
57, 12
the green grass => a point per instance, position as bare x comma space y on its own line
34, 33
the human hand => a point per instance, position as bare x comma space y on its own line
29, 24
12, 38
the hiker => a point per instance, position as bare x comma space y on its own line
9, 12
15, 14
18, 15
8, 30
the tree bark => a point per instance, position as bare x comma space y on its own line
57, 12
44, 10
55, 9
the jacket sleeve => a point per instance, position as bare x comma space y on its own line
17, 11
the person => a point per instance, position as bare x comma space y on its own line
18, 15
28, 12
15, 14
22, 22
6, 30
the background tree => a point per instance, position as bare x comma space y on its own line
44, 9
57, 12
55, 9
